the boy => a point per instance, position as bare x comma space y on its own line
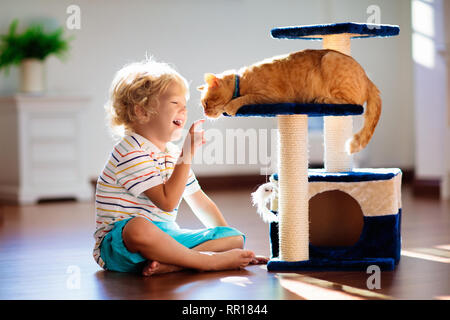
145, 177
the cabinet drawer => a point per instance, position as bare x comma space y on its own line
52, 128
51, 152
54, 176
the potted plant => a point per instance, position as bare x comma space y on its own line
29, 50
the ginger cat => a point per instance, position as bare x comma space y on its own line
308, 76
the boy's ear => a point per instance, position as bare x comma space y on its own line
211, 80
200, 88
141, 114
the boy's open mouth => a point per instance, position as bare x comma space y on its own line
178, 122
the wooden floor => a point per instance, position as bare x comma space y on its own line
44, 247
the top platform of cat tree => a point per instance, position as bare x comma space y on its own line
335, 36
351, 29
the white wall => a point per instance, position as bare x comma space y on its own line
201, 36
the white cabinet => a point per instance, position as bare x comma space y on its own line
43, 148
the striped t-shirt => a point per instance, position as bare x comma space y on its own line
134, 166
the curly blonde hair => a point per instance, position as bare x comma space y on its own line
139, 83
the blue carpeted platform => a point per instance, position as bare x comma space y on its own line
315, 32
356, 175
324, 264
310, 109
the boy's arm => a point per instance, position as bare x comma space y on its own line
166, 196
205, 209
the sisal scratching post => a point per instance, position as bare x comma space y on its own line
293, 187
337, 130
338, 42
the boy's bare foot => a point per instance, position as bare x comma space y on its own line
155, 267
231, 259
227, 260
259, 260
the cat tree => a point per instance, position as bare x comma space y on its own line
376, 224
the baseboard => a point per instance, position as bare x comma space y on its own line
426, 188
24, 196
407, 176
232, 182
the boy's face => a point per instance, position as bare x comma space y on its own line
172, 113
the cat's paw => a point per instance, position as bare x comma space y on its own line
230, 109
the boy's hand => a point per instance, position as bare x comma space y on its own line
193, 141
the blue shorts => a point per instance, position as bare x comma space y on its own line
117, 257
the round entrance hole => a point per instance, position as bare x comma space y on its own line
335, 219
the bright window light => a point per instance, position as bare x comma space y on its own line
424, 256
423, 18
423, 47
423, 50
310, 288
238, 281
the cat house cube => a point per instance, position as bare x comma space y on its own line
354, 221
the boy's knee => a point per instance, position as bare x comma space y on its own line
136, 233
237, 242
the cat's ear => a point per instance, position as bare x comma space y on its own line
200, 88
211, 80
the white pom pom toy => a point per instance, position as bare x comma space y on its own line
261, 197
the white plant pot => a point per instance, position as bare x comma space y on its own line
32, 76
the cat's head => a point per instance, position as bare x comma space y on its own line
215, 95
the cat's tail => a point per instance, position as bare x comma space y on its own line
371, 117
